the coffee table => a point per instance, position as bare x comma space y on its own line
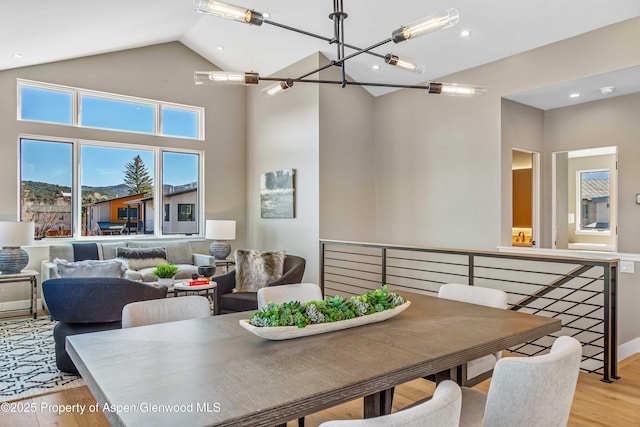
209, 290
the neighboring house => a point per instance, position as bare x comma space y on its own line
115, 216
595, 203
50, 220
179, 214
134, 214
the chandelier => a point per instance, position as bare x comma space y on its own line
404, 33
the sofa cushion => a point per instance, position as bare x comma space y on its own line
90, 268
255, 270
139, 258
178, 252
109, 249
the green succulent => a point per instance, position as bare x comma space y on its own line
332, 309
165, 271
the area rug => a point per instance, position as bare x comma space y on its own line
27, 360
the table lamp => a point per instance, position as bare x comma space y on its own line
220, 231
13, 235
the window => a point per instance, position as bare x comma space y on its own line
44, 102
45, 105
593, 200
117, 184
46, 176
179, 122
180, 172
186, 212
132, 214
104, 113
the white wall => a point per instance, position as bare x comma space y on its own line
283, 133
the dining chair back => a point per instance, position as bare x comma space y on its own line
165, 310
442, 410
301, 292
479, 369
527, 391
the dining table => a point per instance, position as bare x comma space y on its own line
213, 372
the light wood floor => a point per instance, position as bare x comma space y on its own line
595, 403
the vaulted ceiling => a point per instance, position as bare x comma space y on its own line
36, 32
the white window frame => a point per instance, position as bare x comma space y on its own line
76, 187
76, 112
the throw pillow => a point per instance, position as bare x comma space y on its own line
139, 258
255, 270
90, 268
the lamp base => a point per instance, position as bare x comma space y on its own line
13, 260
220, 249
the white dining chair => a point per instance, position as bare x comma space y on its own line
479, 369
442, 410
165, 310
301, 292
527, 391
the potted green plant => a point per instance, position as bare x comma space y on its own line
165, 273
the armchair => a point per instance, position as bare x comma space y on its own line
231, 302
82, 305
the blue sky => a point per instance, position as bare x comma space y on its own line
50, 162
100, 166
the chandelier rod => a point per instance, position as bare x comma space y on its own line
338, 82
341, 60
318, 36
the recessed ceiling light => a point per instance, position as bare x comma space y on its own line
220, 47
375, 67
465, 33
18, 55
607, 90
574, 95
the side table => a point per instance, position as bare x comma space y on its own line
226, 263
209, 291
30, 276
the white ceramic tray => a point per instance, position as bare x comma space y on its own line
287, 332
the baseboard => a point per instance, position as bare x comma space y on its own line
628, 349
19, 305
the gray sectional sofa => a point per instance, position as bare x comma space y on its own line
177, 252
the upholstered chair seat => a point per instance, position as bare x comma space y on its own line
442, 410
301, 292
143, 313
527, 391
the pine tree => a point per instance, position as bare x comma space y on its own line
137, 178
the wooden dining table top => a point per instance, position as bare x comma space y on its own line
212, 372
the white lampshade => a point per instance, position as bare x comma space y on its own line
15, 234
220, 229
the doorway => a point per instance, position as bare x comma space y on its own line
525, 198
585, 214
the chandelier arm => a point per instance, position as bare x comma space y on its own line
297, 30
338, 82
365, 50
317, 36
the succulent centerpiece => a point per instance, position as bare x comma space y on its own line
332, 309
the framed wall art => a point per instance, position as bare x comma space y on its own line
277, 194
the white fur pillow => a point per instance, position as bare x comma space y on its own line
255, 270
